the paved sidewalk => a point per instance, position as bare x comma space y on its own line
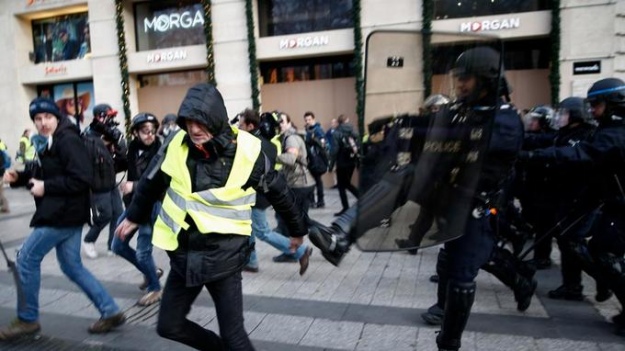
371, 302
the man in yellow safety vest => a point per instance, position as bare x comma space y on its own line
209, 173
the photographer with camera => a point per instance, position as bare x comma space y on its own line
112, 150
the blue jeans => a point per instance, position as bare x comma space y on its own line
262, 231
67, 243
141, 258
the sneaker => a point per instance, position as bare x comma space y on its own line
89, 249
150, 298
18, 328
144, 285
105, 325
565, 292
434, 315
284, 258
304, 260
251, 269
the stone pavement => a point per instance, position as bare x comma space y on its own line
371, 302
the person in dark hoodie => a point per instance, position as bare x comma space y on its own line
344, 155
59, 182
143, 147
209, 172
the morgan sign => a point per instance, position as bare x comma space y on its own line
490, 25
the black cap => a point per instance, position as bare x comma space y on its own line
104, 110
43, 105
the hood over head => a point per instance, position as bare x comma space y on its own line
204, 104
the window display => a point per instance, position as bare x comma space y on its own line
61, 38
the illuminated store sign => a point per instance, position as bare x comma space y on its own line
166, 22
304, 42
55, 70
490, 25
167, 56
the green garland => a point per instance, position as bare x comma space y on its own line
428, 14
123, 63
554, 74
208, 33
360, 94
251, 54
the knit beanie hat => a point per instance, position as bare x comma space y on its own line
42, 105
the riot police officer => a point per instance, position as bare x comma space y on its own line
478, 86
604, 153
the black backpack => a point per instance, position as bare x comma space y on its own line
102, 163
317, 157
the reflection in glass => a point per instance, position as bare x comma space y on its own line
61, 38
331, 67
281, 17
444, 9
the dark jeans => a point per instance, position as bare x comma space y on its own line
344, 182
319, 186
302, 198
110, 208
227, 297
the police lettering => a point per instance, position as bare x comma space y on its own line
442, 146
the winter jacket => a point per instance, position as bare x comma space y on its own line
295, 168
139, 157
342, 154
66, 171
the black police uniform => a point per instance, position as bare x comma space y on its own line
604, 153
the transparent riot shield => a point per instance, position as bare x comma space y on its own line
424, 156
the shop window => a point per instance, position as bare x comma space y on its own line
444, 9
75, 100
518, 55
307, 69
168, 24
61, 38
282, 17
173, 78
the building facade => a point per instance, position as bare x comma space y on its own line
69, 50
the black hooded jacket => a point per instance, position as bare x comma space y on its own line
209, 169
66, 170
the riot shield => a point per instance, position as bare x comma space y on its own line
428, 158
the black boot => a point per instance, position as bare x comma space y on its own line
514, 274
333, 242
567, 292
434, 314
460, 297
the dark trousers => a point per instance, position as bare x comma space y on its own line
470, 251
110, 208
227, 295
319, 186
344, 183
302, 198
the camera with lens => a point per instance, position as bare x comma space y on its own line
111, 132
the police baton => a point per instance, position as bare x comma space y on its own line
16, 276
558, 225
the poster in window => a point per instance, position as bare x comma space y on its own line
61, 38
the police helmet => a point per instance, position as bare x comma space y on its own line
575, 108
544, 114
485, 64
269, 124
435, 100
612, 92
141, 118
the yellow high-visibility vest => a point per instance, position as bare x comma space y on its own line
225, 210
276, 141
29, 149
